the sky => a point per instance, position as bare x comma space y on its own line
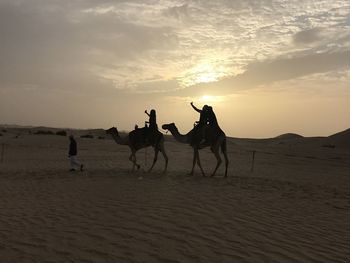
267, 67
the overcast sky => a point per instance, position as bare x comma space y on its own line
267, 67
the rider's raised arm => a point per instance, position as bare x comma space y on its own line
195, 108
147, 113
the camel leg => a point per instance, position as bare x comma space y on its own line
137, 165
162, 149
219, 161
156, 150
215, 150
194, 161
226, 163
224, 151
199, 163
132, 158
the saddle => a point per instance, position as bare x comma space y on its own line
146, 134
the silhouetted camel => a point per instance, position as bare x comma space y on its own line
138, 139
214, 137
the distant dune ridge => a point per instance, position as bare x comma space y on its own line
341, 139
289, 136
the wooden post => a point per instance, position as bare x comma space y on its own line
253, 159
146, 148
145, 156
2, 151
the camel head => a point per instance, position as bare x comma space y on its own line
112, 130
169, 127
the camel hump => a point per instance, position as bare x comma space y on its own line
145, 136
140, 132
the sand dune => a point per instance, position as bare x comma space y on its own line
341, 139
289, 136
293, 207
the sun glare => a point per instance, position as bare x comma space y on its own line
205, 77
203, 73
209, 99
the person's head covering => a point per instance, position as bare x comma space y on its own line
205, 107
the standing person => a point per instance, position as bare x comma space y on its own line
72, 154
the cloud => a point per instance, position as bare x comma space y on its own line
178, 11
59, 44
308, 36
271, 71
53, 44
288, 68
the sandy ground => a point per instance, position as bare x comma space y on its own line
294, 206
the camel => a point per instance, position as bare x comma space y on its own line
138, 139
214, 137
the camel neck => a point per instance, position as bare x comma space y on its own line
178, 136
118, 139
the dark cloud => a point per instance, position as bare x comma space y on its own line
56, 44
308, 36
270, 71
288, 68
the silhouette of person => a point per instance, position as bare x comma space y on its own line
203, 114
72, 154
211, 117
203, 120
153, 127
152, 120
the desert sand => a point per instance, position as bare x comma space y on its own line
293, 207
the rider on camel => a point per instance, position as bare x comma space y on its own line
152, 127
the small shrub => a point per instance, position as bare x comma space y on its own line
89, 136
61, 133
0, 134
101, 137
3, 130
43, 132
